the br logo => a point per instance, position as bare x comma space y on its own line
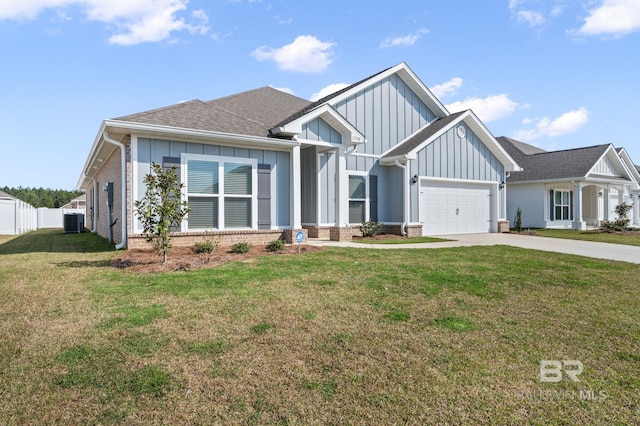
552, 370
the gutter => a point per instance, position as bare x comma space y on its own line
405, 187
123, 168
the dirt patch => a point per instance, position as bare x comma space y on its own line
380, 237
185, 259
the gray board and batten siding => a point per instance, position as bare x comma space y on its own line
453, 157
155, 150
386, 113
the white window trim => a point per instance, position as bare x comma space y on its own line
221, 160
555, 205
366, 199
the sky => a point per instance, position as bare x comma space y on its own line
557, 74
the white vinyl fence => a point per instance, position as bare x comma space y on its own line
17, 217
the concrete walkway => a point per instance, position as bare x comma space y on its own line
596, 250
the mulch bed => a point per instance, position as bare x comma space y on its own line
185, 259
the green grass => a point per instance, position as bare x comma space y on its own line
413, 240
603, 237
341, 336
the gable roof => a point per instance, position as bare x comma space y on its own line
418, 138
543, 165
402, 70
251, 113
414, 143
324, 100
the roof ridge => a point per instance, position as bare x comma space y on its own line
234, 95
572, 149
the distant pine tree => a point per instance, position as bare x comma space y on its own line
42, 197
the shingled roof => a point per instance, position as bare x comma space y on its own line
251, 113
424, 134
324, 100
542, 165
5, 195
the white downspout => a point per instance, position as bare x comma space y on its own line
94, 226
405, 190
123, 191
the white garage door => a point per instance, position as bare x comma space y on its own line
454, 208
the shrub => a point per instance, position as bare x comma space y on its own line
518, 223
206, 246
622, 222
240, 248
275, 245
370, 228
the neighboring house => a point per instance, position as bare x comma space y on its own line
573, 188
78, 203
263, 164
16, 216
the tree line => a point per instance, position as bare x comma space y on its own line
42, 197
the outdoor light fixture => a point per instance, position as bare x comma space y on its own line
414, 179
501, 185
600, 194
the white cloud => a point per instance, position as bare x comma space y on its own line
531, 17
29, 9
567, 123
613, 17
283, 89
332, 88
306, 54
447, 88
557, 10
491, 108
132, 21
403, 41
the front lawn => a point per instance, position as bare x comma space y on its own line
630, 238
341, 336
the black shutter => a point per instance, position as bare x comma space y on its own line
264, 196
552, 206
167, 163
373, 198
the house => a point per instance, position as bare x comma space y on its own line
78, 203
263, 164
16, 216
573, 188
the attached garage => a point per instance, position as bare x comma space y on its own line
450, 207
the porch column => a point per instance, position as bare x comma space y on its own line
296, 195
635, 212
605, 199
578, 223
341, 231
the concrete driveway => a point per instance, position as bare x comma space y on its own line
596, 250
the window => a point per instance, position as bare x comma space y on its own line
357, 199
561, 203
220, 193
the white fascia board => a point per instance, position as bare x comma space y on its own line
478, 127
390, 161
202, 135
82, 181
471, 120
410, 78
631, 168
333, 118
615, 158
